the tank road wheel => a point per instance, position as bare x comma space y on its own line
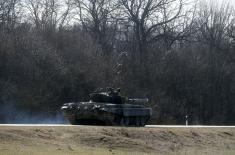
117, 120
122, 121
142, 121
126, 121
73, 121
133, 121
138, 121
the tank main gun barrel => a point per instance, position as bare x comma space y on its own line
140, 101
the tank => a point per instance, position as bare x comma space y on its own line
108, 108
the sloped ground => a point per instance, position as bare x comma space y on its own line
116, 140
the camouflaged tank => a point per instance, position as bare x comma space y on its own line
108, 108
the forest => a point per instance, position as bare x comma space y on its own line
178, 53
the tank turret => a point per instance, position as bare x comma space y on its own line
109, 96
108, 108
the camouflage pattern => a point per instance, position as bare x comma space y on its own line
108, 108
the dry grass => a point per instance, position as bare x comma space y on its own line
115, 140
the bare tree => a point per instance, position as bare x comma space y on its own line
99, 18
214, 21
8, 12
155, 20
231, 30
48, 14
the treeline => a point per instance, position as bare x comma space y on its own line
179, 54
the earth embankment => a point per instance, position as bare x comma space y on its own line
115, 140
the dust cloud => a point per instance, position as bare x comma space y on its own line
9, 114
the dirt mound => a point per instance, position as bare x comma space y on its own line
145, 140
159, 140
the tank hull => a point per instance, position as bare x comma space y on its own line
93, 113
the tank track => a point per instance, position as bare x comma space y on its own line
118, 121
